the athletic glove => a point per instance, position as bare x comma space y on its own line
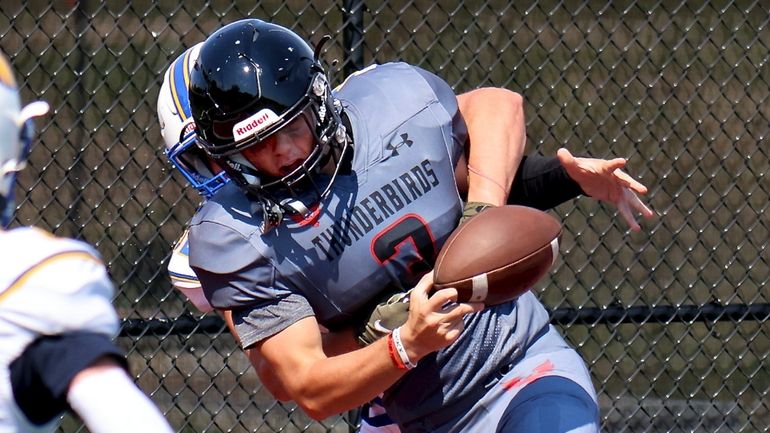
473, 208
384, 318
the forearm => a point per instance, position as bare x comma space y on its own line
107, 401
334, 343
339, 342
324, 386
497, 137
349, 380
541, 182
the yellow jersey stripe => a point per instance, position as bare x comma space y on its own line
187, 69
29, 273
184, 279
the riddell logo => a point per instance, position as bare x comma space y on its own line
254, 124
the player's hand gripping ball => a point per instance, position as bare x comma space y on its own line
498, 255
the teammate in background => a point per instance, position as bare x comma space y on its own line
178, 131
56, 316
368, 176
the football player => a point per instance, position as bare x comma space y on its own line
337, 197
263, 261
178, 132
56, 316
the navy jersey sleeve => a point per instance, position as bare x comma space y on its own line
41, 375
227, 286
239, 271
256, 316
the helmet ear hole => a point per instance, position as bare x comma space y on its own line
319, 85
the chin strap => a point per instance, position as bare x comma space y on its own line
272, 214
296, 206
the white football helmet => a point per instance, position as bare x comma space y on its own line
16, 132
178, 128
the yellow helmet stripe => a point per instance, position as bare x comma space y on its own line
6, 73
176, 80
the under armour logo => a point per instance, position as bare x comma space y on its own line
404, 141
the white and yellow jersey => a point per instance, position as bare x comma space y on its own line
182, 276
48, 286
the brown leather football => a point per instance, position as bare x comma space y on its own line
498, 255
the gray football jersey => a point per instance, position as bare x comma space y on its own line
382, 226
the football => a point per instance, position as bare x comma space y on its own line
498, 255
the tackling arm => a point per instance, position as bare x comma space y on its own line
497, 173
86, 372
497, 137
545, 182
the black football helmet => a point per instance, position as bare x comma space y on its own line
251, 79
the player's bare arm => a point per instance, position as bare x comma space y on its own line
106, 399
497, 138
324, 386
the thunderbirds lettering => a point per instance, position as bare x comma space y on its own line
373, 209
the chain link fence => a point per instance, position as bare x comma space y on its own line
672, 321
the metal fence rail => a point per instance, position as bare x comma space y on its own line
672, 321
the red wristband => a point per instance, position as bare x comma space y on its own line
394, 356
